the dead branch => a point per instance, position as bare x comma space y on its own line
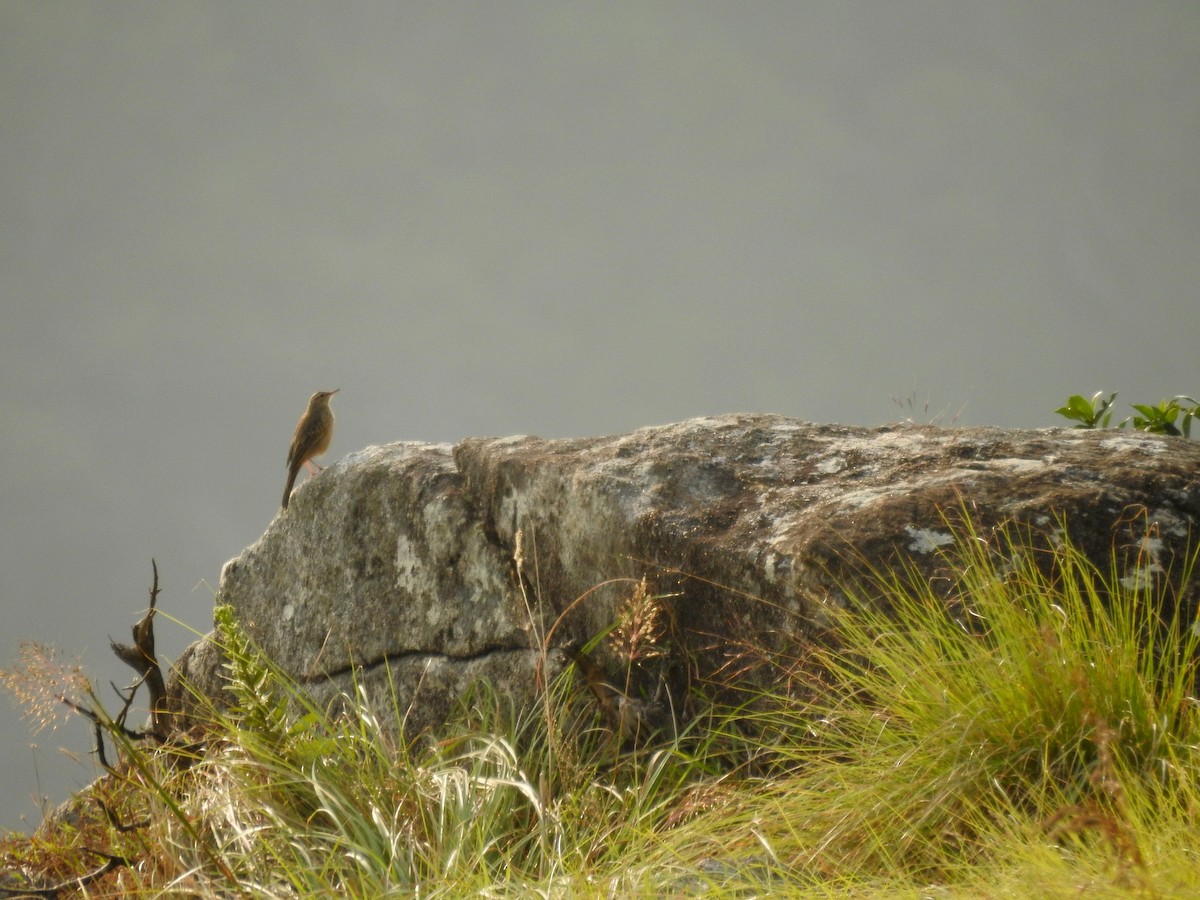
142, 659
74, 884
115, 821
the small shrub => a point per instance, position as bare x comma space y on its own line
1159, 419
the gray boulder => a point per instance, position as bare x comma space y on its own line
413, 570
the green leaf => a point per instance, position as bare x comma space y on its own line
1093, 413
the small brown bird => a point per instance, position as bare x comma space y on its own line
314, 431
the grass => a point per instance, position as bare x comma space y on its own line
1036, 724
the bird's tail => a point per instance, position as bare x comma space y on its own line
287, 491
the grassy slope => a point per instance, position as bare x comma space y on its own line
1043, 732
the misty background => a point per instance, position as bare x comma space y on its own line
540, 218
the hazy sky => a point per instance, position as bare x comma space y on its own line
550, 218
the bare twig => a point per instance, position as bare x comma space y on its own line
99, 725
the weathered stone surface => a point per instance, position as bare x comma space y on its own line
401, 557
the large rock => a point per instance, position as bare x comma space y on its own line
396, 568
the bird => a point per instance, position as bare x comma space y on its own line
313, 434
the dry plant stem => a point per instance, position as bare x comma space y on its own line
577, 601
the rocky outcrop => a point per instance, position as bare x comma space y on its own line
414, 570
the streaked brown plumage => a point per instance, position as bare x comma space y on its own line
314, 431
